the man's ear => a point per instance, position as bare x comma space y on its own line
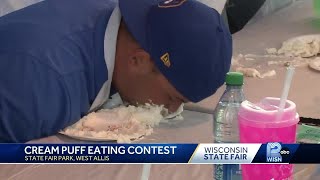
140, 62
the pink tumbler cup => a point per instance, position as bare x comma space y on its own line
261, 123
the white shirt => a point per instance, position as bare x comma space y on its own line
110, 42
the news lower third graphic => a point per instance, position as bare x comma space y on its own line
210, 153
225, 153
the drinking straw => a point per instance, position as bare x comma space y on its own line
145, 171
285, 91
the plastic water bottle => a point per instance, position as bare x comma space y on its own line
226, 128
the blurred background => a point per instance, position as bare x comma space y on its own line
237, 13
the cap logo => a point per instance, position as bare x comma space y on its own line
166, 59
171, 3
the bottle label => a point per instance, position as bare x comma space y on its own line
227, 172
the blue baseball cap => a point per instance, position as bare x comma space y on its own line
187, 40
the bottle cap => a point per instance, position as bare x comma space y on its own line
234, 79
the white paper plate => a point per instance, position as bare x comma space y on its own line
172, 118
178, 118
88, 138
94, 139
315, 64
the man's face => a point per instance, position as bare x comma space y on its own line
137, 79
153, 88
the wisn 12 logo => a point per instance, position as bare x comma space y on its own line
276, 153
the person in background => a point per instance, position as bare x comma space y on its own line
61, 59
240, 12
236, 13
